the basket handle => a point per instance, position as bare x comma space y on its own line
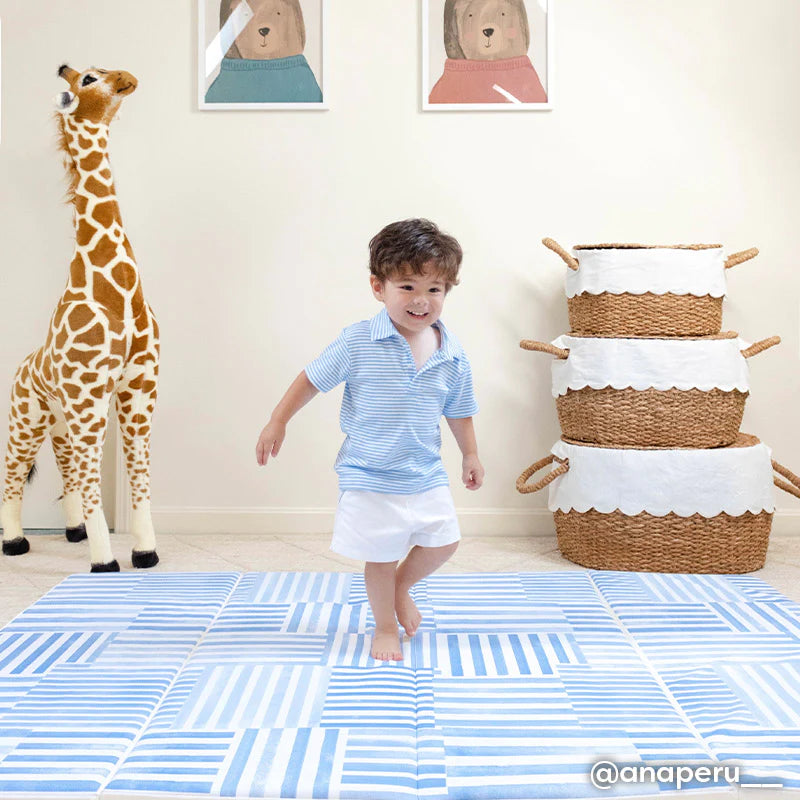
522, 481
738, 258
568, 259
794, 486
760, 347
544, 347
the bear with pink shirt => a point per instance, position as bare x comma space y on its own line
487, 43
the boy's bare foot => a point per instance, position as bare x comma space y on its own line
407, 612
386, 646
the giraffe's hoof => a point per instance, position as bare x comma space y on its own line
112, 566
76, 534
16, 547
144, 559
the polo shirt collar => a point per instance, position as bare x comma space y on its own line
382, 327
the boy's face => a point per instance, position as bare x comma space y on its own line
413, 302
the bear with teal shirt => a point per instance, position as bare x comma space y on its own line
265, 64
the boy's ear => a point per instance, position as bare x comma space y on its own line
377, 287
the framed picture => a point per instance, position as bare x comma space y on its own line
493, 55
261, 54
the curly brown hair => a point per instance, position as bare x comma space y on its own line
410, 246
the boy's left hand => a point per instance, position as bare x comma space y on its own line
472, 472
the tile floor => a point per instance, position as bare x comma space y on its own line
24, 579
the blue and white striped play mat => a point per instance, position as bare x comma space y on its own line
261, 685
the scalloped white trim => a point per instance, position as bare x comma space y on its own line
661, 387
660, 270
596, 292
662, 364
731, 480
632, 511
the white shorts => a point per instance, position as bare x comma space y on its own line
373, 526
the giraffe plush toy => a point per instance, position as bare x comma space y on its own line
103, 339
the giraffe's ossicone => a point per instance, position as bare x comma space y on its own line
102, 342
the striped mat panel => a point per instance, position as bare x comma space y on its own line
260, 685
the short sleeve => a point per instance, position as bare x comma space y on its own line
331, 367
460, 400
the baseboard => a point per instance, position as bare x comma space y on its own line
280, 521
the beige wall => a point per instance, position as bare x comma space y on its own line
673, 122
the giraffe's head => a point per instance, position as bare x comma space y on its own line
94, 95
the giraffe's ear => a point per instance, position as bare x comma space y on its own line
66, 102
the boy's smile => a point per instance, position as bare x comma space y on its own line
413, 302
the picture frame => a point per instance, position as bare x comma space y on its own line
487, 55
264, 55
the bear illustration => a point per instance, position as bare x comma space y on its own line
265, 64
487, 43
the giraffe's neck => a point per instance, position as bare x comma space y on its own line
103, 269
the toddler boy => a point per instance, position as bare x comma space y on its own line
402, 371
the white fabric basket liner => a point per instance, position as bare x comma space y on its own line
732, 480
657, 270
600, 362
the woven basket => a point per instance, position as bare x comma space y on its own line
650, 417
670, 543
648, 314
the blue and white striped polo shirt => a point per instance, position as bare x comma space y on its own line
390, 410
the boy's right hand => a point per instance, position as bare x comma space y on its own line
270, 441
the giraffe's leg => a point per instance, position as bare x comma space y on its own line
73, 506
87, 429
29, 421
136, 397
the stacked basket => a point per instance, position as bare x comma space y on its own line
652, 472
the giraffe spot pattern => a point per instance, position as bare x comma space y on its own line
80, 316
104, 252
84, 234
92, 161
124, 275
95, 335
81, 407
107, 295
105, 213
95, 187
77, 272
139, 344
72, 297
81, 356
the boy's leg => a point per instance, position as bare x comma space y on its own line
379, 579
418, 564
